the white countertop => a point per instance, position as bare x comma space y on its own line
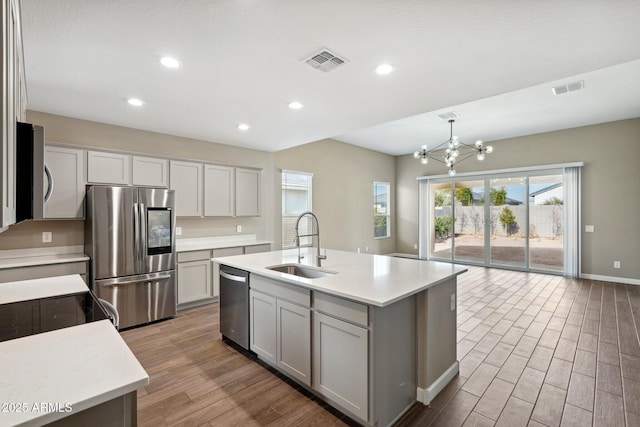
377, 280
26, 290
203, 243
82, 366
41, 256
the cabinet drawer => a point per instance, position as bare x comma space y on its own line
341, 308
194, 256
281, 290
217, 253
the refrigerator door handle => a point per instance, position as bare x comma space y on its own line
136, 279
143, 234
136, 236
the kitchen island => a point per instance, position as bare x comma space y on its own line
370, 334
71, 376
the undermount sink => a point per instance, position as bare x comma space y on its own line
302, 270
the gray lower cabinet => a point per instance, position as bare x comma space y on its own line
364, 357
263, 335
280, 326
194, 276
340, 363
293, 339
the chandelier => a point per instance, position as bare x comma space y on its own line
453, 151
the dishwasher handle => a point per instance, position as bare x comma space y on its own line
235, 278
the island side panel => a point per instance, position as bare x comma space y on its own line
392, 361
436, 339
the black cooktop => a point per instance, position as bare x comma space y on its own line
26, 318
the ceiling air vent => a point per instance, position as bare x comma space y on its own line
569, 87
449, 115
325, 60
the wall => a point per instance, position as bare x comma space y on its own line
343, 177
610, 179
99, 135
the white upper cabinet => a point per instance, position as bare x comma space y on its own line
64, 183
247, 192
186, 180
149, 171
219, 195
108, 168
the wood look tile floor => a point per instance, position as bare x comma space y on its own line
534, 350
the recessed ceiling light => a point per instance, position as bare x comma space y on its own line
135, 102
243, 126
383, 69
169, 62
295, 105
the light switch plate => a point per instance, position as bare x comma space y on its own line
178, 231
238, 228
616, 264
589, 228
46, 237
453, 302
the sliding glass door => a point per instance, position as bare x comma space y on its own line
546, 222
510, 220
469, 223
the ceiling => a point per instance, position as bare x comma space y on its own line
492, 62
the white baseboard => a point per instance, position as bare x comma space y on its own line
425, 396
610, 279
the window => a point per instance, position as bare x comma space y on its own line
381, 210
296, 199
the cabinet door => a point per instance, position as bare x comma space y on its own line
262, 329
108, 168
247, 192
218, 253
219, 196
149, 171
186, 180
64, 183
194, 281
340, 363
294, 340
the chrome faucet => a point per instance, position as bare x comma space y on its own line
319, 258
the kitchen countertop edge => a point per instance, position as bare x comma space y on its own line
106, 344
287, 256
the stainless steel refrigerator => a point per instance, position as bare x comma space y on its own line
130, 237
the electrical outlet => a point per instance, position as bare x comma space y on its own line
366, 249
415, 246
238, 228
358, 250
453, 302
616, 264
46, 237
589, 228
178, 231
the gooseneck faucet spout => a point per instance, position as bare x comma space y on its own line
319, 257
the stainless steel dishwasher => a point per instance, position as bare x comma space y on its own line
234, 305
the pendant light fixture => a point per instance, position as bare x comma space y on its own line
453, 151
